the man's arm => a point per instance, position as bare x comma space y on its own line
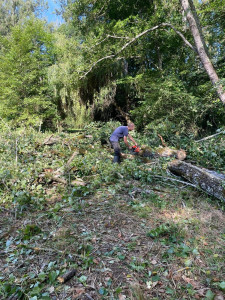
126, 142
132, 139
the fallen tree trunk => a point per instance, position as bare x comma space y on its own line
211, 182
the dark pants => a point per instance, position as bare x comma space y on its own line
117, 151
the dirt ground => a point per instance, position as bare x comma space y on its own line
104, 237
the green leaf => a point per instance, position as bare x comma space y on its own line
210, 295
118, 290
188, 262
222, 285
102, 291
169, 291
83, 278
155, 278
8, 243
42, 276
32, 275
52, 276
195, 252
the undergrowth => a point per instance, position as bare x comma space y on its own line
128, 234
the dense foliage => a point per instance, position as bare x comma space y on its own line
131, 230
25, 56
108, 57
100, 218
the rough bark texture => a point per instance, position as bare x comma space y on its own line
211, 182
196, 31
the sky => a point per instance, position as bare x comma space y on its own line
50, 15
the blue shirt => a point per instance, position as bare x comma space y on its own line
119, 133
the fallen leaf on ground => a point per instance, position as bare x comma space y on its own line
153, 262
122, 297
191, 281
78, 292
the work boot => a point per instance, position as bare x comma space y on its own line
116, 159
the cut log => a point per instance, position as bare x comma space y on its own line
50, 140
67, 276
211, 182
78, 182
168, 152
146, 151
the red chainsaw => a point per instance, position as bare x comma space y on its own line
135, 149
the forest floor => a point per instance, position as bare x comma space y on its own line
127, 237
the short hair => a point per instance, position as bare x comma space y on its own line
130, 125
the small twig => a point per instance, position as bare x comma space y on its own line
16, 151
176, 180
162, 140
49, 250
5, 209
37, 249
88, 296
120, 175
174, 282
182, 269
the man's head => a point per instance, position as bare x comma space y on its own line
130, 126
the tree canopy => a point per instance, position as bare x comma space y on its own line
108, 57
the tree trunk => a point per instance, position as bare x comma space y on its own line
211, 182
196, 31
59, 103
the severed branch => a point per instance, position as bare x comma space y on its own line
67, 165
162, 140
67, 276
176, 180
134, 39
210, 136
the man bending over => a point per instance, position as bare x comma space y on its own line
119, 133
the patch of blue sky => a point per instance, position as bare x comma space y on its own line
50, 14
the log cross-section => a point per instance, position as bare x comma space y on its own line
211, 182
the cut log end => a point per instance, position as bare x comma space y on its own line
67, 276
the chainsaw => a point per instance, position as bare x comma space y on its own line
135, 149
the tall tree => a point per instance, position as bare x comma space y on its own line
14, 11
25, 56
196, 30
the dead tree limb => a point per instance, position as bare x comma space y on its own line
210, 136
67, 165
209, 181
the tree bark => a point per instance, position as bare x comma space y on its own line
67, 276
196, 31
211, 182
